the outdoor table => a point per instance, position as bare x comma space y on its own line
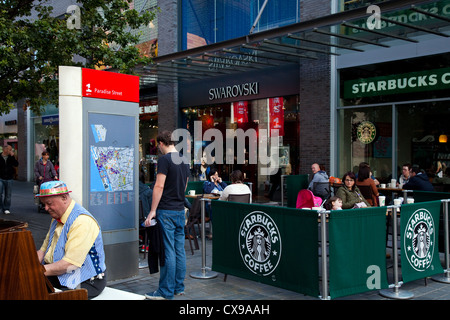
203, 274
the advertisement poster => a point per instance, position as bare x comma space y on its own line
111, 185
240, 112
276, 113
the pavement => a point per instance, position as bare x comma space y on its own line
234, 288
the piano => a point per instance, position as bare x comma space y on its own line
21, 275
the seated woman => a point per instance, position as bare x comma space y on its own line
214, 184
350, 193
364, 179
236, 186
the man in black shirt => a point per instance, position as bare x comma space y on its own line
7, 164
168, 208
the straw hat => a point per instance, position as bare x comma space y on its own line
52, 188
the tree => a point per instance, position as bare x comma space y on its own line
33, 43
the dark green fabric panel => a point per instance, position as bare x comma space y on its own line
357, 251
294, 184
419, 227
292, 260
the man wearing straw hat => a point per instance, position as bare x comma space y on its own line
72, 252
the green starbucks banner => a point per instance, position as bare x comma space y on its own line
357, 251
272, 245
419, 228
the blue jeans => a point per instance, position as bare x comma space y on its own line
5, 186
172, 274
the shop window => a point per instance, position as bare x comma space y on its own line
365, 135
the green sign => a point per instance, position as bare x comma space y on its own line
419, 236
357, 251
272, 245
428, 80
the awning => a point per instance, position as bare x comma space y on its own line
355, 30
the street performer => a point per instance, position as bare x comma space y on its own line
72, 252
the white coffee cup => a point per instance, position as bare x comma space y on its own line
382, 200
410, 200
393, 182
397, 202
383, 185
191, 192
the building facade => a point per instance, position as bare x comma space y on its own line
333, 65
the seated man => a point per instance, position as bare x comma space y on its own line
418, 181
72, 252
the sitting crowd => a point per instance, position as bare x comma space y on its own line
348, 195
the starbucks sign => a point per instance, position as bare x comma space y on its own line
366, 132
260, 243
419, 240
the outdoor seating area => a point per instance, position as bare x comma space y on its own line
260, 242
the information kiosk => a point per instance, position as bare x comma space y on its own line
99, 113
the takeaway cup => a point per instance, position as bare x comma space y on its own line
192, 192
382, 200
397, 202
393, 183
383, 185
410, 200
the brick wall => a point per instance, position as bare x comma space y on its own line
168, 113
314, 99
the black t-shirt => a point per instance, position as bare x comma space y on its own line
176, 173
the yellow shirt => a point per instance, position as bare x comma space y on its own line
80, 238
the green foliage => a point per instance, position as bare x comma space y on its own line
32, 49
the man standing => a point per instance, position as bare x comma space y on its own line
168, 208
7, 164
72, 252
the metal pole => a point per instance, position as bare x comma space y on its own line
282, 189
445, 278
203, 274
323, 239
258, 17
397, 293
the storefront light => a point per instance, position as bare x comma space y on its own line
443, 138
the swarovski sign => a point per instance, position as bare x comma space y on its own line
234, 91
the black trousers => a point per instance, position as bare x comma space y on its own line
94, 287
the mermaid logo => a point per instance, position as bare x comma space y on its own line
260, 243
419, 240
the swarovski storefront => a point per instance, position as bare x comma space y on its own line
250, 101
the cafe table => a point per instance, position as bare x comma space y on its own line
204, 273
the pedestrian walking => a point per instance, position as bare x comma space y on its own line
7, 164
168, 208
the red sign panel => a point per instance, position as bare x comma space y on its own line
109, 85
241, 112
276, 113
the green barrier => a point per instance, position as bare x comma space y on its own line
272, 245
357, 251
294, 183
422, 196
419, 225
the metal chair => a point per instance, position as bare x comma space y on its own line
242, 198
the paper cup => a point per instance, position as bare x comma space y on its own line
410, 200
397, 202
382, 200
192, 192
383, 185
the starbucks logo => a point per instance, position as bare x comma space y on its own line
366, 132
419, 240
260, 243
